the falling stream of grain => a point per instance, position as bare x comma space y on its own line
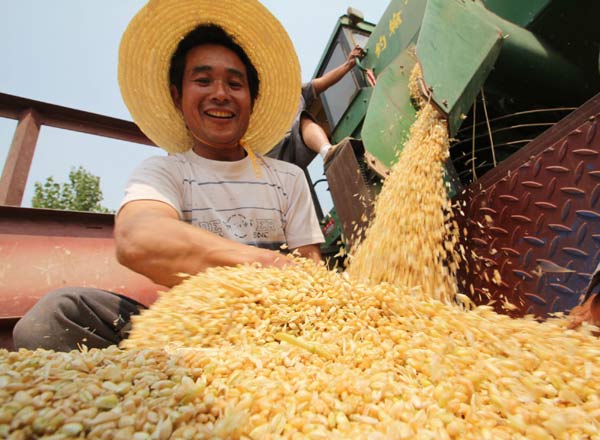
410, 242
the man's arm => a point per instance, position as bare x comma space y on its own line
588, 312
333, 76
153, 241
310, 251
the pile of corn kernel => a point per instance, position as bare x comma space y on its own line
308, 352
110, 393
388, 350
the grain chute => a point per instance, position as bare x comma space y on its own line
511, 80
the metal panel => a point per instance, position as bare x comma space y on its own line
454, 63
517, 11
397, 28
41, 250
353, 117
535, 219
350, 191
390, 113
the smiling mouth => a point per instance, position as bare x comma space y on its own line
219, 114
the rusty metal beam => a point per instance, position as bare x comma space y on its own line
18, 162
13, 107
31, 116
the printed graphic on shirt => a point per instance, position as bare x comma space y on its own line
239, 225
242, 227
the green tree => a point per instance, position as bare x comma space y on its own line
82, 193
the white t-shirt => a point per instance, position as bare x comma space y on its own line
227, 198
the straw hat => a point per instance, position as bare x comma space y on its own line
152, 37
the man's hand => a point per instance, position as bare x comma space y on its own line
356, 52
245, 254
588, 312
331, 77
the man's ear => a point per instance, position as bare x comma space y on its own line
175, 96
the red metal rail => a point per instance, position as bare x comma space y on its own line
32, 115
42, 249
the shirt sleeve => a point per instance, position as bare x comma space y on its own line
308, 94
156, 178
302, 227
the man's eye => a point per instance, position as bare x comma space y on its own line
202, 80
235, 85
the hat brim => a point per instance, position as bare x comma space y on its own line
153, 36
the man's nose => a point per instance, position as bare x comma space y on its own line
220, 91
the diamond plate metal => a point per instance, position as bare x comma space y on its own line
536, 211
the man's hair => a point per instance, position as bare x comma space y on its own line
210, 34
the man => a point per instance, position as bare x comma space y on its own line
213, 89
589, 308
306, 138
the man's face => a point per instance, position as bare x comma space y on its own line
215, 100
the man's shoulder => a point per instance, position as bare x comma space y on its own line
309, 93
282, 166
164, 161
171, 165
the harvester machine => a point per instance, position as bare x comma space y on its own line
516, 82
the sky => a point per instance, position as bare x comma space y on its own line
64, 52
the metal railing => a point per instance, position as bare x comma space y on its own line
31, 116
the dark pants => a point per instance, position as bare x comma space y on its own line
66, 318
